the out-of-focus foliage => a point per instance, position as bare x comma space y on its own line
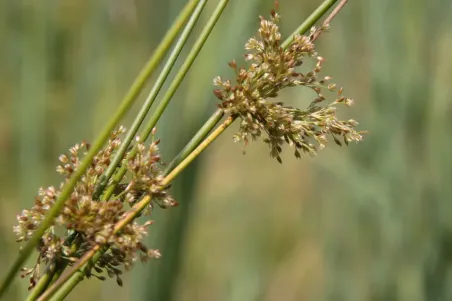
371, 221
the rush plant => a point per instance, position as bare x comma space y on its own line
85, 227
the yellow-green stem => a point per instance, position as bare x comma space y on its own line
138, 120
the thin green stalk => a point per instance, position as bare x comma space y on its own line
43, 282
125, 105
119, 155
187, 64
196, 140
310, 21
201, 147
68, 286
53, 270
171, 89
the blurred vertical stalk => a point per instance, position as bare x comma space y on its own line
94, 38
31, 91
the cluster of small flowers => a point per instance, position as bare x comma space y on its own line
90, 222
272, 69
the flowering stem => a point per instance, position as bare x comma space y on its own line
55, 269
191, 145
119, 155
77, 276
213, 120
131, 214
171, 90
146, 106
97, 145
65, 289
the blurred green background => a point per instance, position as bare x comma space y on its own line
372, 221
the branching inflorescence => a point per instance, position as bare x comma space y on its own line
92, 221
272, 69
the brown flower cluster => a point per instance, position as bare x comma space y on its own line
89, 222
271, 69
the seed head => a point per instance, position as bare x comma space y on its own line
91, 220
271, 69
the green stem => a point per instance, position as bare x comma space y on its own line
68, 286
97, 145
43, 282
54, 270
196, 140
119, 155
310, 21
171, 90
201, 147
